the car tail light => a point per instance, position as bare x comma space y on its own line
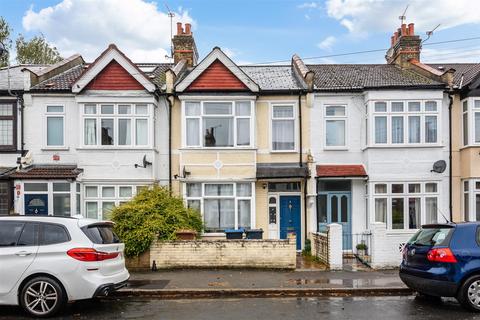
89, 254
441, 255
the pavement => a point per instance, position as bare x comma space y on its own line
361, 308
200, 283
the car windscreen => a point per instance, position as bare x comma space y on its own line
101, 233
432, 237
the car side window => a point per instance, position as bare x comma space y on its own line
53, 234
29, 236
10, 232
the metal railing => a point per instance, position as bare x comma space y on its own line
358, 245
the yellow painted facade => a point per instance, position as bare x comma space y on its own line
465, 161
239, 164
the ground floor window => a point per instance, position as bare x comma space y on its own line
100, 199
48, 198
405, 205
222, 205
471, 200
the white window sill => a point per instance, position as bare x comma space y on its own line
477, 145
394, 232
283, 151
343, 148
107, 148
55, 148
403, 146
216, 148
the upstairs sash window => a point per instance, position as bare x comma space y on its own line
7, 126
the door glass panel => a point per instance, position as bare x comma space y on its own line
322, 208
344, 207
36, 187
334, 208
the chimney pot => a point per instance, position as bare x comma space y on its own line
411, 29
179, 28
188, 27
404, 29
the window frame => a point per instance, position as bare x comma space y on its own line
99, 199
132, 116
202, 197
13, 118
406, 115
423, 195
202, 115
49, 192
328, 118
470, 112
294, 118
54, 114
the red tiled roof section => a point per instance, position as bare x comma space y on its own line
47, 172
114, 77
217, 77
341, 170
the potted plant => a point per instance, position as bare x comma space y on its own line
362, 249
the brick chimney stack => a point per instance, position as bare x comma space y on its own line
404, 45
184, 47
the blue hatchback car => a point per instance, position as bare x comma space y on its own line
443, 260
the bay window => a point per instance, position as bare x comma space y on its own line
471, 200
8, 126
118, 125
335, 126
218, 124
283, 128
471, 121
55, 126
101, 199
403, 206
222, 205
400, 123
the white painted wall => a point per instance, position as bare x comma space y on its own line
101, 165
386, 164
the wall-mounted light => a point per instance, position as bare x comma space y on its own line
264, 185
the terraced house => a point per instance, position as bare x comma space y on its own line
238, 142
95, 134
379, 149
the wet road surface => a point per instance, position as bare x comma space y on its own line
276, 308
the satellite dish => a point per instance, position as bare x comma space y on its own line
185, 172
145, 162
439, 166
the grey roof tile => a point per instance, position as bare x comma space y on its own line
16, 76
333, 77
468, 70
274, 77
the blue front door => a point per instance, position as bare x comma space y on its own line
290, 219
36, 204
338, 211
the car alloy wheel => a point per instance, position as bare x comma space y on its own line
40, 298
474, 293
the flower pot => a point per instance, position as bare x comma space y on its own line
361, 252
186, 234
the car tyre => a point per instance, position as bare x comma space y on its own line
469, 294
42, 297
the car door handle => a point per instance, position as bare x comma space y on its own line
23, 253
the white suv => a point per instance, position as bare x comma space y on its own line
47, 261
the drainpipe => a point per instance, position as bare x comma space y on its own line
169, 142
300, 159
450, 156
22, 140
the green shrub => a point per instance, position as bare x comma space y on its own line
152, 214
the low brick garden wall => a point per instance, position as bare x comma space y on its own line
274, 254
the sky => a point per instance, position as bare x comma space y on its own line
250, 31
